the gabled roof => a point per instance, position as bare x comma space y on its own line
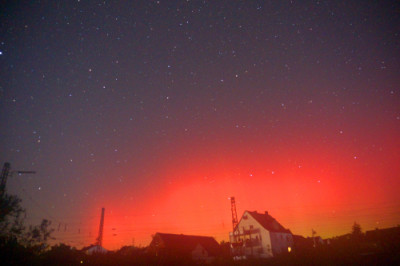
269, 222
94, 249
88, 247
188, 243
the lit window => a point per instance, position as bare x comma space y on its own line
289, 249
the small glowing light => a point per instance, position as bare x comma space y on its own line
289, 249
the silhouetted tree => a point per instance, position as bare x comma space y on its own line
11, 217
37, 236
14, 238
225, 249
62, 254
356, 232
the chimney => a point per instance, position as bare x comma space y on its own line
266, 212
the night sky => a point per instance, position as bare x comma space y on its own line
159, 111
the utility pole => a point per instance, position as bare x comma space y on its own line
5, 173
313, 237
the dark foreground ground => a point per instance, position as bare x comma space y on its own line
64, 255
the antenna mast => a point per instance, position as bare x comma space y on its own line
6, 172
4, 175
234, 214
99, 239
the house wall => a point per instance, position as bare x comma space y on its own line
266, 244
201, 254
157, 245
281, 242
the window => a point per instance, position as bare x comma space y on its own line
245, 217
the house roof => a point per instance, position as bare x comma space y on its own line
94, 249
392, 232
268, 222
188, 243
88, 247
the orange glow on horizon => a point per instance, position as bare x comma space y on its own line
311, 194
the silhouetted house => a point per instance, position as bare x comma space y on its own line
386, 239
259, 235
305, 245
92, 249
341, 238
130, 250
302, 244
202, 248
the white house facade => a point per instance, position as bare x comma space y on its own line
259, 235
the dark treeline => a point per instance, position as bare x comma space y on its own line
347, 254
